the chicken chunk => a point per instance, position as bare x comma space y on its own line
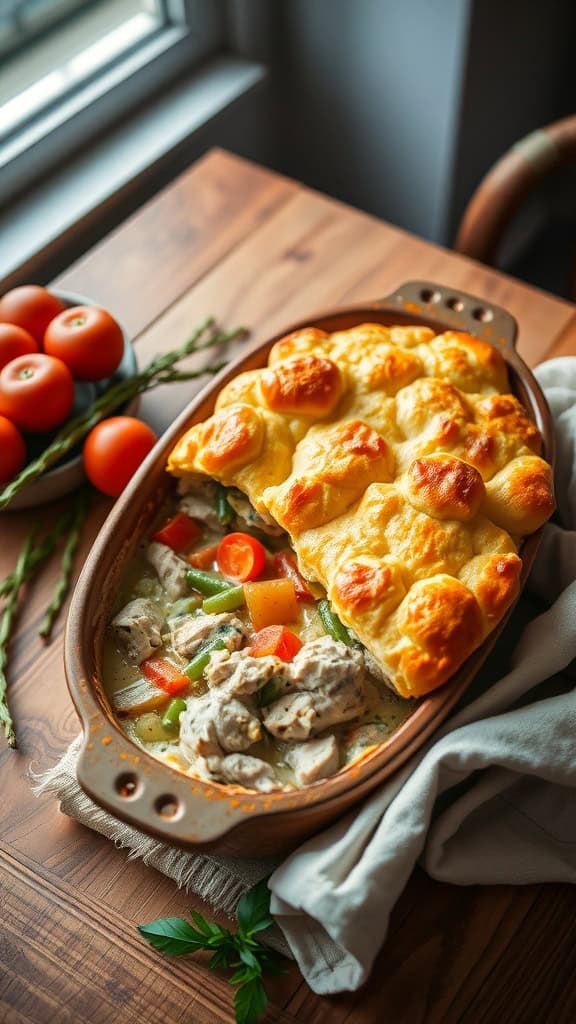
331, 687
137, 629
189, 632
290, 718
248, 771
170, 569
314, 760
240, 673
200, 503
215, 723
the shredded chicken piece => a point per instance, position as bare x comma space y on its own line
215, 723
137, 629
331, 687
248, 771
170, 569
314, 760
189, 632
240, 673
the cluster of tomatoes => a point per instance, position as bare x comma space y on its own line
45, 347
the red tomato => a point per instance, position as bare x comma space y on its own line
12, 450
179, 532
30, 307
164, 674
14, 342
277, 640
113, 451
36, 392
285, 565
88, 340
240, 557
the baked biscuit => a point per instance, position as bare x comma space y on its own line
405, 474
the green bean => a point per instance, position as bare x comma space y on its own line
224, 509
171, 717
227, 601
208, 583
332, 623
199, 662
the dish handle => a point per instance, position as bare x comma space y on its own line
151, 796
466, 312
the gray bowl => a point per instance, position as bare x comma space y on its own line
68, 474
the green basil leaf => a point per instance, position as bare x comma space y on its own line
247, 957
250, 1002
172, 935
254, 908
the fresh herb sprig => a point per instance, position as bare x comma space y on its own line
159, 371
19, 575
80, 511
238, 951
32, 557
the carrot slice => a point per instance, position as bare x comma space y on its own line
205, 558
271, 602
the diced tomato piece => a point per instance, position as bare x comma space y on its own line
277, 640
205, 558
285, 565
165, 675
241, 557
179, 532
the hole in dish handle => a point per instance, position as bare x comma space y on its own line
459, 309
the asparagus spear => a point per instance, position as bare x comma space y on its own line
39, 555
80, 511
20, 574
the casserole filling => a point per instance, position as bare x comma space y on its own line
348, 521
254, 683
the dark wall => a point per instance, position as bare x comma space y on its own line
400, 106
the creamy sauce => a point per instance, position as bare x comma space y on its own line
354, 738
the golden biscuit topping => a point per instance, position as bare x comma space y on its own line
403, 470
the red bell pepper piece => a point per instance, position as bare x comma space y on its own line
277, 640
285, 565
164, 674
179, 532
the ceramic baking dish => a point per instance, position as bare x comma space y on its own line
166, 803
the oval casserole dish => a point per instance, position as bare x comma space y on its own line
185, 811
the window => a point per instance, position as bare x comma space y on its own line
71, 68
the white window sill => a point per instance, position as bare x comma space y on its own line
36, 225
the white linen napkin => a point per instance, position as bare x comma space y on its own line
505, 780
491, 798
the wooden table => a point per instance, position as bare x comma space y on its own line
236, 240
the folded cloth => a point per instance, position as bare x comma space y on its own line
491, 798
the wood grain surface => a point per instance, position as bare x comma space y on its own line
238, 241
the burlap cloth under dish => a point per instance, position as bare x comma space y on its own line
490, 799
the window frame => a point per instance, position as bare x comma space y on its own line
196, 29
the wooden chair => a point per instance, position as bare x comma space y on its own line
509, 183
